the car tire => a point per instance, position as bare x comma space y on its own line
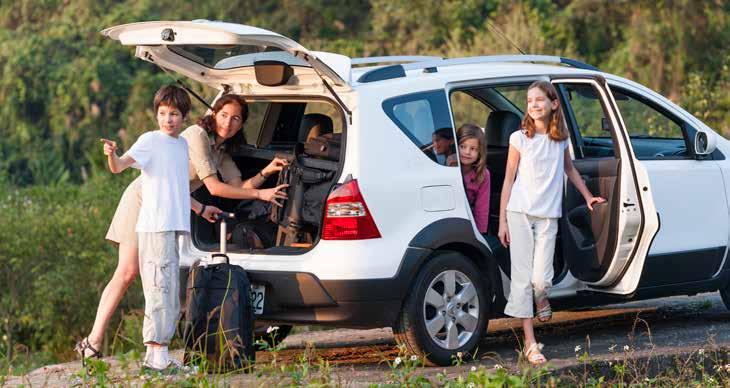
725, 294
273, 338
445, 312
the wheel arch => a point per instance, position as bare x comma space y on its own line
457, 235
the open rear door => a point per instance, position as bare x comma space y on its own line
222, 55
606, 248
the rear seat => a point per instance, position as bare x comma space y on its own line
500, 125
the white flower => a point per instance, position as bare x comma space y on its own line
470, 385
397, 361
458, 354
271, 328
610, 363
612, 348
473, 369
577, 348
626, 348
414, 358
498, 367
701, 352
5, 337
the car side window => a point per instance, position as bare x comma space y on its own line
586, 114
654, 134
425, 119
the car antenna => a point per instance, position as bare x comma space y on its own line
503, 36
177, 80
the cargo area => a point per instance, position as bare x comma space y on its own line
309, 134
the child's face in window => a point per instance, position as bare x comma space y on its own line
539, 106
468, 151
169, 119
441, 145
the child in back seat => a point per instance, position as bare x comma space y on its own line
473, 158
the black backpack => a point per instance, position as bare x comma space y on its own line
219, 320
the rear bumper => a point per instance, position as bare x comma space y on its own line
302, 298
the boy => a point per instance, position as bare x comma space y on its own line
163, 158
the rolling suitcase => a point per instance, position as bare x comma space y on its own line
218, 323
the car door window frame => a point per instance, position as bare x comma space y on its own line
576, 137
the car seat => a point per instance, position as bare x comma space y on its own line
500, 125
314, 125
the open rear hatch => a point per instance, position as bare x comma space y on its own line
222, 55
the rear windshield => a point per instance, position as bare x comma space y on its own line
233, 56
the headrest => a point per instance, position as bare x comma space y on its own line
313, 125
500, 125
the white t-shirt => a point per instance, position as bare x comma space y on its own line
163, 160
538, 189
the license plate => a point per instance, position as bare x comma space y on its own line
258, 292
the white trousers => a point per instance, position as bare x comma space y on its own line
532, 245
159, 267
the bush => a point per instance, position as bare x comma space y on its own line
54, 262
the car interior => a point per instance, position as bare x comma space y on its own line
308, 134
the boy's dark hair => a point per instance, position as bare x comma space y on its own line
207, 122
173, 96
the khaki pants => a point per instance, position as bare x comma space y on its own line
532, 245
159, 264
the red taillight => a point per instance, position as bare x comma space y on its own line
346, 216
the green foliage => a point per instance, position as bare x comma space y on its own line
54, 262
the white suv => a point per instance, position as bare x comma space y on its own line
378, 232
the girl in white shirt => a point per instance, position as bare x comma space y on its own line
530, 207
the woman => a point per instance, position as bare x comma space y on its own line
208, 142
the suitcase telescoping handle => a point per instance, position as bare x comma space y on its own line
222, 217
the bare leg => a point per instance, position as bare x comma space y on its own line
127, 270
529, 332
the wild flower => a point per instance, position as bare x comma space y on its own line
626, 348
414, 358
271, 329
473, 369
498, 367
612, 348
397, 361
458, 354
577, 348
701, 352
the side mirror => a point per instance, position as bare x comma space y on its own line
705, 143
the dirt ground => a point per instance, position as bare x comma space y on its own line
668, 326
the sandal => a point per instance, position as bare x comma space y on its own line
544, 313
84, 349
533, 355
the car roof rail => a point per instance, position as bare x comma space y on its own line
397, 71
394, 59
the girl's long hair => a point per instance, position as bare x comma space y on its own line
471, 131
556, 128
207, 122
